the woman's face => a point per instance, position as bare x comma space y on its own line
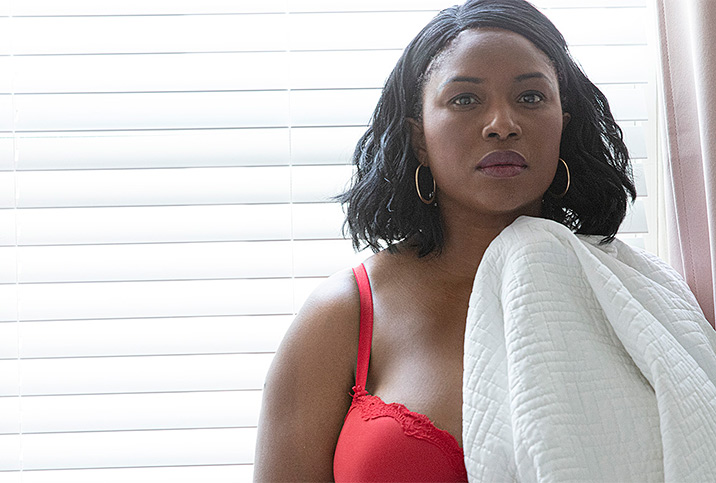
492, 124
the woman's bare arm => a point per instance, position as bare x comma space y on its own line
306, 395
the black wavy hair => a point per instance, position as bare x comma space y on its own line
381, 205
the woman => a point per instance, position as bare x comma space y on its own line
485, 118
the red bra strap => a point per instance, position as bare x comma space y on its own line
366, 326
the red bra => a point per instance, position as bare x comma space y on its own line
388, 442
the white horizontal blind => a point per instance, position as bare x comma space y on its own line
165, 175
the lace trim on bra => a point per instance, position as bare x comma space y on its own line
414, 424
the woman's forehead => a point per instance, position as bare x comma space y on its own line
488, 50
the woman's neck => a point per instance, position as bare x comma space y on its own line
466, 239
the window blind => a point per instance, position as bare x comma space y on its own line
166, 169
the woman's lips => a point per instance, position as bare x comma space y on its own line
502, 164
503, 171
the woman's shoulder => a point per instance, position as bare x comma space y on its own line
335, 296
328, 321
332, 311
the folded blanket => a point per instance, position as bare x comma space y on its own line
585, 362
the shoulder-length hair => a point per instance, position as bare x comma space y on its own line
382, 206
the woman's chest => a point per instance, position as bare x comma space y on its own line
417, 345
418, 363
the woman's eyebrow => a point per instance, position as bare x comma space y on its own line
474, 80
531, 75
480, 80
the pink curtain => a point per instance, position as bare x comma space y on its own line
687, 30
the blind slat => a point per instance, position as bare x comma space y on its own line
186, 261
10, 411
161, 149
110, 35
132, 448
635, 138
185, 186
145, 7
118, 337
324, 145
115, 375
154, 299
155, 262
9, 333
178, 474
66, 226
194, 186
6, 110
8, 311
614, 64
97, 112
585, 26
358, 5
7, 154
174, 7
627, 102
159, 72
635, 220
191, 410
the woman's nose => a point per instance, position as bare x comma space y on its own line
501, 125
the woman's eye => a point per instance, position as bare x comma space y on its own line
464, 100
531, 98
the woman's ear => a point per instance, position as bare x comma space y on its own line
417, 141
565, 119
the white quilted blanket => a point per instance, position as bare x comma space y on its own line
585, 363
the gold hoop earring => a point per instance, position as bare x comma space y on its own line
417, 188
561, 195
